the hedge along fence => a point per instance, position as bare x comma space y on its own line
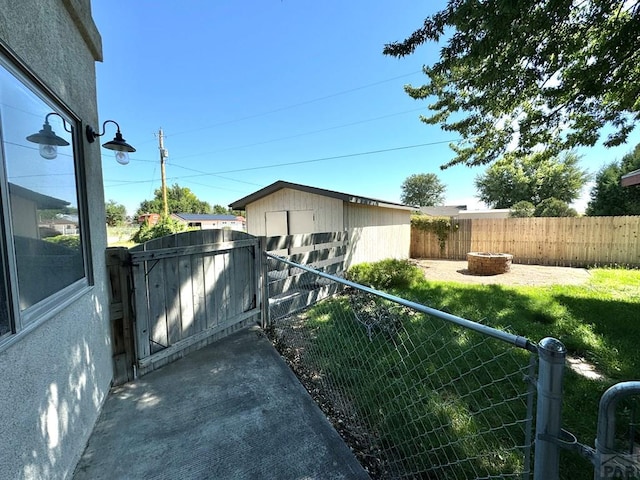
566, 241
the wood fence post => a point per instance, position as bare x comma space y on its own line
121, 315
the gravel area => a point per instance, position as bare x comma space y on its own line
456, 271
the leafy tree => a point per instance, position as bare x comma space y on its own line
424, 189
179, 200
608, 197
529, 74
522, 209
532, 178
220, 210
553, 207
116, 213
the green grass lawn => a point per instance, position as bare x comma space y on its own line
597, 322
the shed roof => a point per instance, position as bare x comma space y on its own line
631, 178
280, 184
200, 217
41, 200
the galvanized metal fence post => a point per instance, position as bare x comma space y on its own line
610, 463
552, 354
264, 283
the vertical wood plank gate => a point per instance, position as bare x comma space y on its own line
189, 289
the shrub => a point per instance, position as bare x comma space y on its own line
69, 241
552, 207
165, 226
522, 209
389, 273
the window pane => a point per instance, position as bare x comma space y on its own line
41, 183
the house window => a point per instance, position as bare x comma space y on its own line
42, 264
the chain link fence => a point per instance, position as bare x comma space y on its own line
416, 393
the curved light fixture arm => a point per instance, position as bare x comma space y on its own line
91, 133
64, 123
47, 140
118, 144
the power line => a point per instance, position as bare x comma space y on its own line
337, 157
288, 107
359, 122
214, 175
301, 162
313, 132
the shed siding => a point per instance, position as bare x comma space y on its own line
25, 218
328, 212
376, 233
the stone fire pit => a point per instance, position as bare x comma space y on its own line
482, 263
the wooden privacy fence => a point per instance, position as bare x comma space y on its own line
187, 290
569, 242
458, 242
291, 289
177, 293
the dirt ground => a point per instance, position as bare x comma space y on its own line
456, 271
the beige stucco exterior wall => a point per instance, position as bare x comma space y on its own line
376, 233
328, 212
56, 376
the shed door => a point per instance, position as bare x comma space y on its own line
301, 221
276, 224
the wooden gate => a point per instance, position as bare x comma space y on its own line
189, 289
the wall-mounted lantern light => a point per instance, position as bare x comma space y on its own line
118, 144
48, 140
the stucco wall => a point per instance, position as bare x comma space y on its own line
376, 233
328, 212
55, 377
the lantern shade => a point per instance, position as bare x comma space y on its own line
118, 144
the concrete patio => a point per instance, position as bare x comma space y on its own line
231, 410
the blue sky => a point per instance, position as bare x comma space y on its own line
250, 92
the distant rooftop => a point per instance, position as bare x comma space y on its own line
442, 210
199, 217
631, 178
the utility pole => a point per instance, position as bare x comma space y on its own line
163, 154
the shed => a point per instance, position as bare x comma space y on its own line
25, 204
376, 229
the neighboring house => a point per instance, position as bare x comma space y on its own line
55, 340
488, 213
205, 221
631, 178
150, 218
461, 212
442, 210
63, 224
377, 229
